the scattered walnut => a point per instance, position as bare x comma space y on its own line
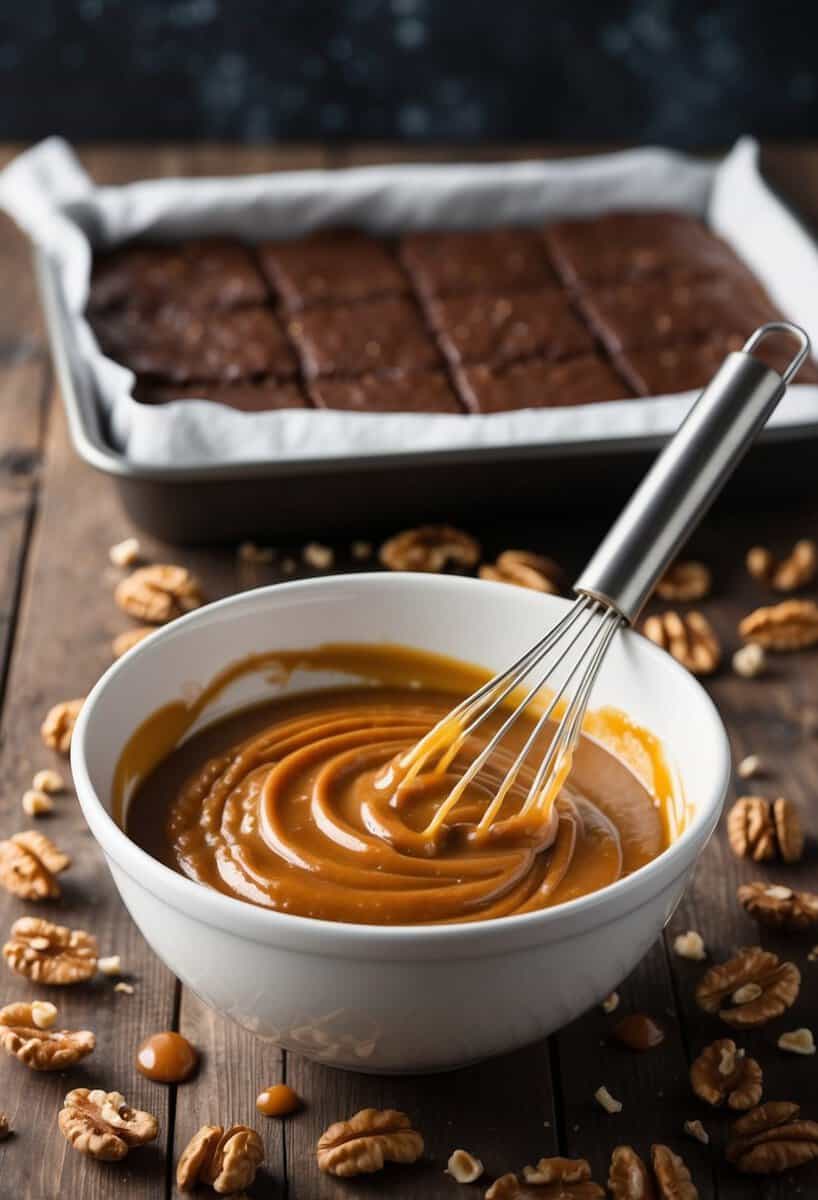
788, 831
253, 555
750, 661
604, 1098
750, 766
227, 1159
610, 1003
785, 575
464, 1167
158, 594
111, 965
43, 1014
555, 1178
779, 907
430, 548
690, 945
366, 1141
771, 1139
689, 637
672, 1176
41, 1049
5, 1126
127, 989
696, 1130
36, 804
123, 642
318, 556
684, 581
58, 726
779, 983
29, 862
797, 1041
525, 569
723, 1073
102, 1125
49, 781
558, 1170
750, 829
791, 625
126, 553
628, 1177
51, 954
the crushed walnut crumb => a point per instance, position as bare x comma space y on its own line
110, 965
797, 1041
464, 1167
36, 803
604, 1098
750, 766
696, 1130
690, 945
611, 1003
321, 558
49, 781
125, 553
127, 989
750, 661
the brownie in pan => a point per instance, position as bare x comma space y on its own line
177, 344
442, 264
353, 339
248, 395
206, 273
662, 370
335, 266
539, 383
393, 392
512, 325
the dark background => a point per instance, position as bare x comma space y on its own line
681, 72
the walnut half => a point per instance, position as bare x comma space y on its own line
29, 864
684, 581
551, 1179
525, 569
724, 1073
51, 954
38, 1048
689, 637
430, 548
773, 988
159, 593
772, 1138
366, 1141
761, 830
791, 625
227, 1159
58, 727
779, 907
103, 1125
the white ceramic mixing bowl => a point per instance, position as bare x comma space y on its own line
408, 998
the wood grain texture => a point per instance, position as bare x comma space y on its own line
57, 520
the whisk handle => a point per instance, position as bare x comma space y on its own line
688, 475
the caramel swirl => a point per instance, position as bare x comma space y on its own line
296, 805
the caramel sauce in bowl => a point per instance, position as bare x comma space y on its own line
245, 878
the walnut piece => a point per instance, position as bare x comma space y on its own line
126, 641
788, 831
366, 1141
771, 1139
158, 594
41, 1049
125, 553
785, 575
690, 945
750, 661
29, 862
750, 829
684, 581
49, 781
791, 625
628, 1177
525, 569
227, 1159
672, 1176
5, 1126
255, 556
551, 1179
36, 804
102, 1125
464, 1167
724, 1073
50, 954
689, 637
779, 983
696, 1130
605, 1100
779, 907
430, 548
797, 1041
750, 766
318, 556
58, 727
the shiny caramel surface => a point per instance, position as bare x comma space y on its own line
166, 1057
296, 804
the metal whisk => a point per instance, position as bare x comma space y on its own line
612, 590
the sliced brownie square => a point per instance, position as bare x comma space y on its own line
355, 339
393, 392
488, 328
443, 264
334, 266
538, 383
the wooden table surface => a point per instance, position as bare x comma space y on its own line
57, 618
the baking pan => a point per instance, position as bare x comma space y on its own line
273, 500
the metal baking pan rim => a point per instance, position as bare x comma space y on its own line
91, 445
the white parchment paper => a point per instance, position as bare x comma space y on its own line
51, 197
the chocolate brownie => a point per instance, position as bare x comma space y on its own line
663, 312
206, 273
498, 329
262, 395
393, 392
335, 266
538, 383
662, 370
622, 246
178, 344
477, 261
373, 335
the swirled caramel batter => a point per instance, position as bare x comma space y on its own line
296, 804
